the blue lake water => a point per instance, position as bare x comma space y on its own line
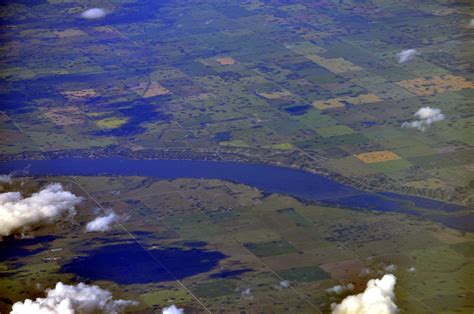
131, 264
271, 179
13, 249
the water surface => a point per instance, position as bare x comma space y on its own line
270, 179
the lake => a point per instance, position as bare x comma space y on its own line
270, 179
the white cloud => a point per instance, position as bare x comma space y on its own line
5, 178
284, 284
406, 55
364, 272
103, 223
377, 298
426, 116
45, 207
68, 299
429, 113
172, 309
340, 289
94, 13
390, 268
245, 293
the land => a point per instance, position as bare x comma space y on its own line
313, 85
309, 85
251, 240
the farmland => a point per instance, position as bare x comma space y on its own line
373, 96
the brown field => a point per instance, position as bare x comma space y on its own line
328, 104
305, 82
344, 271
469, 167
315, 35
377, 156
226, 61
335, 65
275, 95
107, 29
338, 85
69, 33
18, 72
435, 85
65, 116
339, 102
79, 94
444, 11
9, 135
153, 89
430, 183
448, 237
363, 99
296, 260
203, 96
218, 61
